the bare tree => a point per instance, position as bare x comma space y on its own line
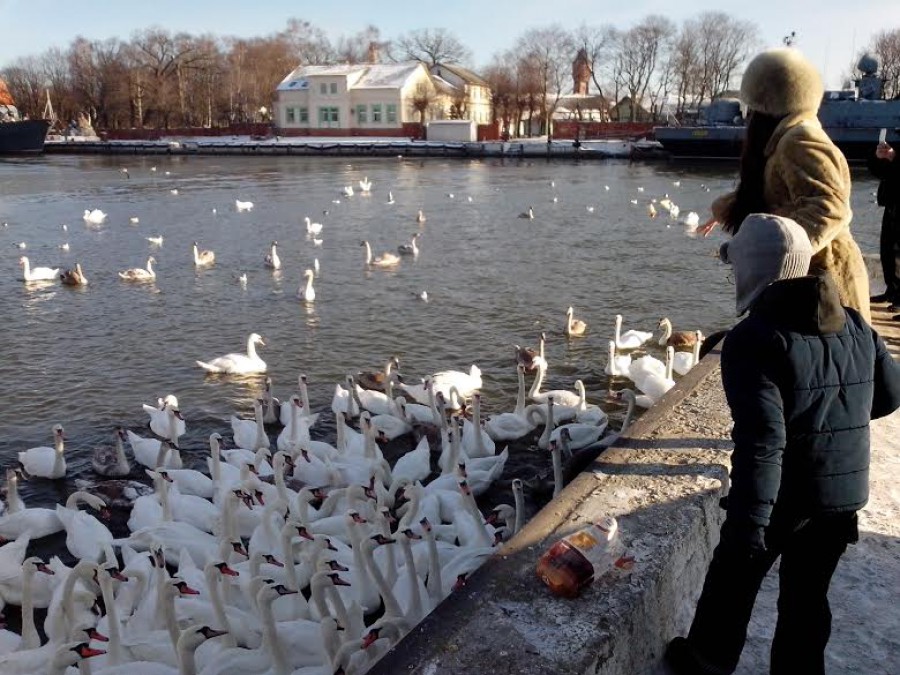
432, 46
422, 101
308, 43
357, 48
501, 76
640, 51
887, 49
545, 56
25, 79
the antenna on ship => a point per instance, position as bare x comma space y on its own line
49, 113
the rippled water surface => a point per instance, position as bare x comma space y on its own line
87, 358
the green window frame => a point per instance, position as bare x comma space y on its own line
361, 113
289, 115
303, 115
391, 112
376, 113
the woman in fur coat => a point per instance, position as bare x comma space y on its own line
791, 168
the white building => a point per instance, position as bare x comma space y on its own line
463, 95
362, 98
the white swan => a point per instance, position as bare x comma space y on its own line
166, 420
383, 260
365, 185
46, 462
14, 502
203, 258
94, 216
243, 206
156, 241
139, 273
574, 327
560, 396
512, 426
250, 434
617, 365
306, 291
347, 191
529, 214
682, 362
51, 659
655, 386
272, 261
37, 273
149, 452
420, 217
312, 228
112, 461
86, 537
238, 363
631, 339
390, 197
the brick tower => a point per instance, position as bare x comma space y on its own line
581, 73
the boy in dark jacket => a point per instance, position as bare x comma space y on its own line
803, 377
885, 166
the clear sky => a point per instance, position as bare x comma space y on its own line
829, 31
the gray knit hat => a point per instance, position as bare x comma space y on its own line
766, 249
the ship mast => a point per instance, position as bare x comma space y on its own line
49, 113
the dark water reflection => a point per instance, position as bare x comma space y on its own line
87, 358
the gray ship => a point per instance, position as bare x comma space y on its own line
852, 118
17, 135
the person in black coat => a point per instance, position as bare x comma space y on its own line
803, 376
885, 166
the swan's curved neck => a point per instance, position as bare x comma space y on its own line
114, 648
557, 471
415, 605
262, 440
210, 573
150, 266
519, 498
216, 460
271, 639
434, 585
629, 412
472, 507
670, 360
251, 349
30, 637
196, 255
391, 606
476, 422
304, 393
368, 253
667, 332
538, 381
549, 425
520, 393
618, 335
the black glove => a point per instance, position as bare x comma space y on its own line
745, 535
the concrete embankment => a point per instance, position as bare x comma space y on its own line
588, 150
662, 481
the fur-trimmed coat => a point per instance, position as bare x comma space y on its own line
807, 179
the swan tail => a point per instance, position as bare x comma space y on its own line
208, 367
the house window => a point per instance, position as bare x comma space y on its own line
323, 88
329, 117
289, 117
361, 116
392, 112
376, 113
334, 87
304, 115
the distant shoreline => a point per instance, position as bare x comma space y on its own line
355, 147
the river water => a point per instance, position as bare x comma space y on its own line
87, 358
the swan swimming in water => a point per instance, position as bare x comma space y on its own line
73, 277
631, 339
383, 260
243, 206
46, 462
94, 217
312, 228
411, 248
139, 273
235, 363
203, 258
529, 214
272, 261
306, 291
37, 273
574, 327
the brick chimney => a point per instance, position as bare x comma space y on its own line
581, 73
372, 55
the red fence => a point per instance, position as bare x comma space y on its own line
588, 130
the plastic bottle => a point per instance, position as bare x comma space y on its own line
576, 560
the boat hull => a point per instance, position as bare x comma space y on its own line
857, 143
24, 137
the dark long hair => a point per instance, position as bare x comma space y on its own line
750, 192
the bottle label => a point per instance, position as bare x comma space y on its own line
582, 540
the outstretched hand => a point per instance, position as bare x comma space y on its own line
885, 151
708, 226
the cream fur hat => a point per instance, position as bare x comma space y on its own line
766, 249
781, 81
